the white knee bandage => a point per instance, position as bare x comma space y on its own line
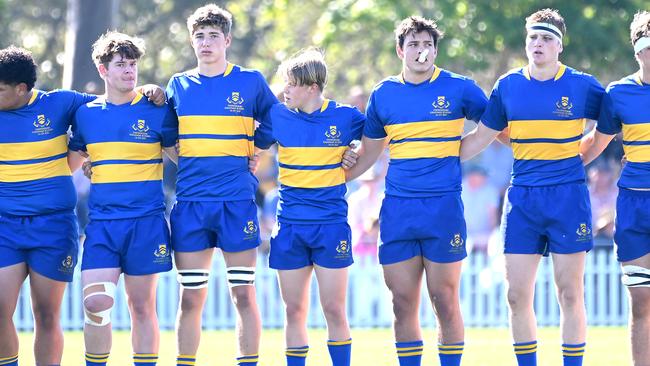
240, 276
635, 276
104, 315
193, 279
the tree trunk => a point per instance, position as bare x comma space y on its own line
86, 21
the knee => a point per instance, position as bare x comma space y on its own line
193, 300
333, 310
445, 301
45, 317
243, 297
404, 304
519, 298
296, 311
96, 304
142, 308
569, 297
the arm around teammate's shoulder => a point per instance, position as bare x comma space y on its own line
368, 154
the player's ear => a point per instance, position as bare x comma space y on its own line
399, 51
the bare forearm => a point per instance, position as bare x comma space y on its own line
368, 154
476, 141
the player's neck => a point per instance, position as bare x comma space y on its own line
213, 68
313, 104
644, 74
118, 97
417, 78
543, 72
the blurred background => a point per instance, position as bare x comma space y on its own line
483, 39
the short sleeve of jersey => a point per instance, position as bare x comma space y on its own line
474, 101
76, 142
495, 116
264, 133
374, 127
608, 121
169, 93
358, 123
169, 129
265, 99
594, 98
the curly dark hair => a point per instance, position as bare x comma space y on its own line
114, 43
17, 66
417, 24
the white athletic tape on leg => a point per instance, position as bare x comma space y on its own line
193, 279
104, 315
635, 276
240, 276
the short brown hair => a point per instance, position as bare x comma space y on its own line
640, 26
210, 15
306, 67
417, 24
550, 16
111, 43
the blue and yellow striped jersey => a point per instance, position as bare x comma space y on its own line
424, 124
310, 150
34, 174
626, 107
546, 120
216, 122
125, 146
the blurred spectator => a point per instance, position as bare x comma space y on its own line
481, 202
497, 160
364, 205
358, 98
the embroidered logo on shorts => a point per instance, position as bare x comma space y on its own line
42, 125
584, 232
342, 250
66, 264
457, 241
161, 251
162, 254
251, 230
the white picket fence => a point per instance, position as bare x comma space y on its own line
482, 297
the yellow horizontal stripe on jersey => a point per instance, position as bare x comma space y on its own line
310, 155
637, 153
122, 173
124, 151
424, 149
320, 178
25, 172
545, 150
216, 125
547, 129
636, 132
215, 147
400, 131
34, 150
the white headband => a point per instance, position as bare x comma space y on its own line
640, 44
546, 27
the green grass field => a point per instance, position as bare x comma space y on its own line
371, 347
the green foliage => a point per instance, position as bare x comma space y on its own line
484, 38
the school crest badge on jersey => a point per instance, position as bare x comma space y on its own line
235, 102
333, 136
563, 107
441, 106
140, 130
42, 125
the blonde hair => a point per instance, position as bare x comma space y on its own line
306, 67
